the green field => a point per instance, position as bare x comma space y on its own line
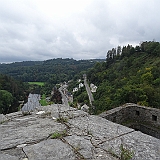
37, 83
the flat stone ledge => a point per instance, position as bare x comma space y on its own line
87, 137
26, 130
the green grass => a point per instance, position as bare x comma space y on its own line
59, 134
37, 83
126, 154
43, 101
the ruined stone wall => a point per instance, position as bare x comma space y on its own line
116, 115
142, 118
144, 114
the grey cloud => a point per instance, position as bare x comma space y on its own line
26, 33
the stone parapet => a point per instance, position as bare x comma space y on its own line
145, 119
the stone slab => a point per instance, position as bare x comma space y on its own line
27, 129
84, 146
100, 128
4, 156
51, 149
144, 147
15, 153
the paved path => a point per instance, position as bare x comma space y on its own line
91, 99
64, 98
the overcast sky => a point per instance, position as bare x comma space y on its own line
79, 29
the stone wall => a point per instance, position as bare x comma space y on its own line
141, 118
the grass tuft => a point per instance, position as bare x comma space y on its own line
126, 154
57, 134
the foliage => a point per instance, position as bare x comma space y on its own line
12, 92
52, 71
126, 154
43, 101
6, 100
132, 76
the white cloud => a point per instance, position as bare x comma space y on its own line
80, 29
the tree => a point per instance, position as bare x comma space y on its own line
114, 52
6, 100
147, 77
137, 49
118, 52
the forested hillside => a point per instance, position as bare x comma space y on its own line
11, 92
52, 71
129, 75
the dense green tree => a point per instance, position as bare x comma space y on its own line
6, 100
118, 52
17, 89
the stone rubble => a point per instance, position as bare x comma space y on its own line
82, 136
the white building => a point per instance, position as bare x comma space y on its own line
85, 108
75, 89
81, 85
93, 88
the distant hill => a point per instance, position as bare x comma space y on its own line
53, 70
129, 75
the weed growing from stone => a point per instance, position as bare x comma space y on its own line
57, 134
2, 122
126, 154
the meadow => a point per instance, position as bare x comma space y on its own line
37, 83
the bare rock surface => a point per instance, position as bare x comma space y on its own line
2, 118
7, 157
142, 146
50, 149
58, 132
